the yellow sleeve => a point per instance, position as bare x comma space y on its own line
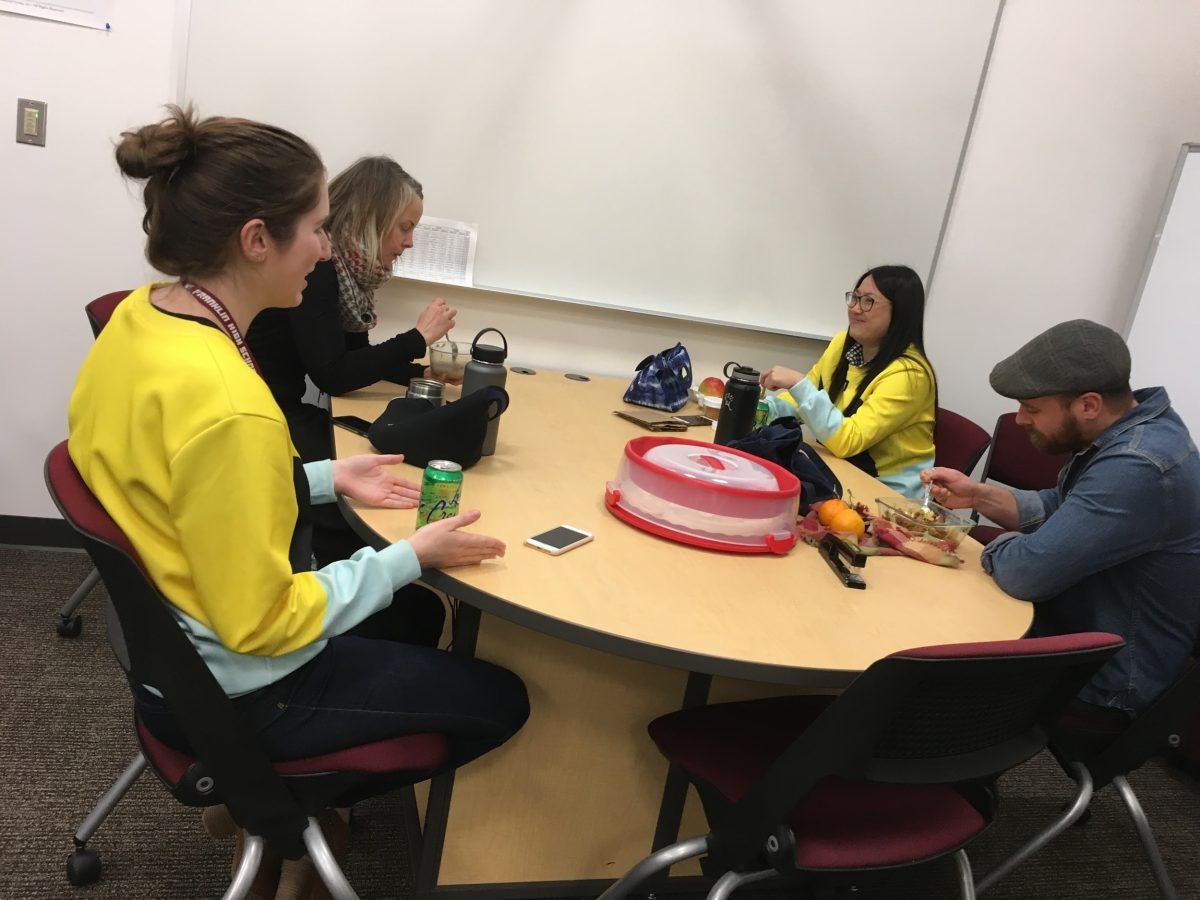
895, 398
233, 503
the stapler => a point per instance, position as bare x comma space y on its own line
834, 548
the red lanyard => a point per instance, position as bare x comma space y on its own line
231, 328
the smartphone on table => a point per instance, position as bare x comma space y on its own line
558, 541
353, 423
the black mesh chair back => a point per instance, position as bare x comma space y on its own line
938, 715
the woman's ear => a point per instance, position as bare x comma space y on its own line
254, 241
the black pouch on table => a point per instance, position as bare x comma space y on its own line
422, 431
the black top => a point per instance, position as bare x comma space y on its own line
309, 340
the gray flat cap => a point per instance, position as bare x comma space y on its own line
1071, 358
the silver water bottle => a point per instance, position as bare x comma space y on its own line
486, 369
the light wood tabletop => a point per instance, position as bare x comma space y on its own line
784, 619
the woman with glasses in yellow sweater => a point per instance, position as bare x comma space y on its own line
872, 396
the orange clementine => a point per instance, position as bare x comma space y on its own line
848, 522
830, 508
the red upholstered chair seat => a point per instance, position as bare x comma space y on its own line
985, 534
840, 824
407, 753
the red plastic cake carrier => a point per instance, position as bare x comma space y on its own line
704, 494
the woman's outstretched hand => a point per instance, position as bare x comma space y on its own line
367, 479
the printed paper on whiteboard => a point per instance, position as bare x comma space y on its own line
89, 13
443, 250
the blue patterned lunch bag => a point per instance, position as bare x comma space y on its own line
662, 381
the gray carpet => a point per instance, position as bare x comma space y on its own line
64, 736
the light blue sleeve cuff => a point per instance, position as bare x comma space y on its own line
320, 481
360, 586
777, 407
816, 410
1031, 511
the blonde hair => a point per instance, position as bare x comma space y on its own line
366, 200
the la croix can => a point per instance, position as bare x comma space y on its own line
441, 489
762, 414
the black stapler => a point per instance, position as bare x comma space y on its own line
834, 548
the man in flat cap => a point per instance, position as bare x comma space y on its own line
1116, 546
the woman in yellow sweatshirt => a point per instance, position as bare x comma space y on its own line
178, 436
871, 397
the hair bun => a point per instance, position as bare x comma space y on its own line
159, 148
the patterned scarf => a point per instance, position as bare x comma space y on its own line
854, 354
357, 282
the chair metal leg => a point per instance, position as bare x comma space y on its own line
327, 867
966, 882
109, 801
80, 594
1146, 836
1057, 827
70, 623
731, 881
656, 862
243, 879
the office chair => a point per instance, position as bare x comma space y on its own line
1014, 462
276, 802
958, 442
70, 624
1157, 728
896, 771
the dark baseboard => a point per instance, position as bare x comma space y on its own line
33, 531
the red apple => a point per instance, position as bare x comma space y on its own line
711, 387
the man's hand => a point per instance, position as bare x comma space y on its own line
441, 544
951, 488
365, 478
436, 320
780, 378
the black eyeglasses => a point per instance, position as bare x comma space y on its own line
864, 301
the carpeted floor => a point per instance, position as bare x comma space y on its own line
64, 737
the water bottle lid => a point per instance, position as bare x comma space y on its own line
489, 353
741, 373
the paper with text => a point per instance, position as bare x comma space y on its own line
443, 250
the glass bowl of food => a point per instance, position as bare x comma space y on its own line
446, 360
933, 521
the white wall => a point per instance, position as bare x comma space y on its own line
70, 229
588, 339
1082, 115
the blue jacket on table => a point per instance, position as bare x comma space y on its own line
1116, 547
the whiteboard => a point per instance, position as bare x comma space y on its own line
1166, 315
722, 160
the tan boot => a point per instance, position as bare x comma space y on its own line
217, 822
298, 879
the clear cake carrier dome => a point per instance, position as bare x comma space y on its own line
704, 494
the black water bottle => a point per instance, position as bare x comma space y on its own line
739, 403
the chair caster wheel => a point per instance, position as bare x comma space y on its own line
83, 867
69, 627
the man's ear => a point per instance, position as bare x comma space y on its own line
1088, 406
254, 241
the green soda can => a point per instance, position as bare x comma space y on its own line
762, 412
441, 489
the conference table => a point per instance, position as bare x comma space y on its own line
621, 630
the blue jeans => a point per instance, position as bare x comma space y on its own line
363, 689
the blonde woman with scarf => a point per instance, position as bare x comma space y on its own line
374, 205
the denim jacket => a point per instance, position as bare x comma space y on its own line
1116, 547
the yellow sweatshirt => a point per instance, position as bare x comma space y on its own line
890, 435
185, 447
